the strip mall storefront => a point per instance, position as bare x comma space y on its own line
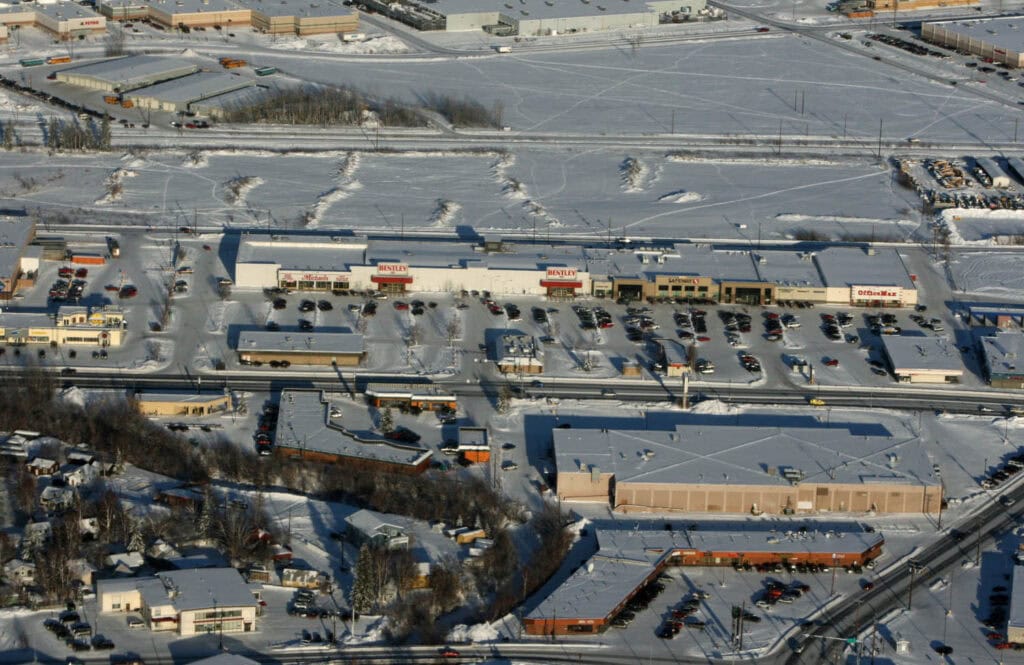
881, 296
561, 282
392, 278
313, 281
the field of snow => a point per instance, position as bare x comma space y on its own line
990, 272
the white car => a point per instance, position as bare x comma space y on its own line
509, 466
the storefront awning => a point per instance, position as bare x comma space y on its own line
546, 283
378, 279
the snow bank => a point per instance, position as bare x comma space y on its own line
681, 196
839, 219
238, 188
444, 214
72, 395
481, 632
372, 45
634, 175
114, 185
715, 407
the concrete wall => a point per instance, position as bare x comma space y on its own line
182, 408
121, 601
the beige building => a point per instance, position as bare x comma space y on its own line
64, 20
311, 348
745, 470
296, 17
921, 359
913, 5
997, 38
181, 403
189, 602
71, 326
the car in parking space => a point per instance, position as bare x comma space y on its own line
307, 306
272, 326
280, 303
305, 326
832, 362
509, 466
324, 306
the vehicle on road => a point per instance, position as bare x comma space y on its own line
817, 401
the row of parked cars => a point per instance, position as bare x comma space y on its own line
77, 634
777, 592
1011, 468
683, 616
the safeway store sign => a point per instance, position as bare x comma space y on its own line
882, 293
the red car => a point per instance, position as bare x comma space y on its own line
1003, 645
832, 362
763, 29
449, 652
65, 272
771, 315
606, 324
82, 273
401, 305
703, 338
111, 287
207, 247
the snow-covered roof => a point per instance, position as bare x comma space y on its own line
175, 396
849, 266
729, 454
323, 252
909, 353
133, 71
1006, 32
626, 559
788, 268
1016, 619
303, 424
63, 11
1004, 354
192, 6
525, 10
194, 87
462, 255
369, 522
293, 8
293, 342
225, 659
14, 237
197, 589
408, 391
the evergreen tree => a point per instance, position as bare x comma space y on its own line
387, 421
9, 135
504, 400
136, 541
362, 593
205, 524
105, 133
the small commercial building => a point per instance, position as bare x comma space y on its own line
305, 430
298, 17
913, 5
182, 94
626, 561
1001, 39
126, 74
19, 264
921, 359
729, 469
179, 403
1015, 622
301, 18
404, 396
103, 327
474, 445
868, 277
673, 358
517, 353
198, 13
1003, 357
189, 602
301, 348
999, 178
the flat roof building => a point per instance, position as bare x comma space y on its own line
344, 349
424, 396
922, 359
1015, 622
1001, 39
626, 561
180, 403
306, 430
516, 353
126, 74
102, 327
1003, 355
869, 277
65, 20
16, 268
189, 602
299, 17
745, 470
183, 93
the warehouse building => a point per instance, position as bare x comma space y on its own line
745, 470
1003, 355
305, 430
315, 348
64, 20
18, 263
189, 602
103, 327
178, 403
913, 5
866, 277
627, 561
999, 178
126, 74
1001, 39
921, 359
299, 17
1015, 622
182, 94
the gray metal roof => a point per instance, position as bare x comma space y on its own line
299, 342
304, 424
63, 11
204, 587
1017, 598
736, 455
296, 8
303, 253
850, 266
909, 352
15, 235
525, 10
519, 256
194, 87
406, 390
1004, 354
192, 6
1006, 32
133, 71
626, 558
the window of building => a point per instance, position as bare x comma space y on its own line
115, 606
702, 289
663, 287
676, 288
688, 289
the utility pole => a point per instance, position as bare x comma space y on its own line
910, 589
673, 122
780, 137
880, 138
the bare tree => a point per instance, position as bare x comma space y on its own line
453, 330
402, 570
25, 491
415, 335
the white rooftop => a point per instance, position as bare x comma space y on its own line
296, 8
304, 424
192, 6
320, 252
194, 87
300, 342
15, 235
729, 454
64, 10
1005, 32
135, 70
625, 559
909, 353
194, 589
524, 10
177, 396
519, 256
1004, 353
850, 266
1017, 598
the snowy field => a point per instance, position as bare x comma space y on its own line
547, 191
991, 273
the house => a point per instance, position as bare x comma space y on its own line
56, 499
124, 563
187, 497
15, 446
280, 554
41, 466
300, 578
20, 573
259, 573
82, 571
190, 602
79, 475
365, 526
470, 536
161, 549
79, 455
